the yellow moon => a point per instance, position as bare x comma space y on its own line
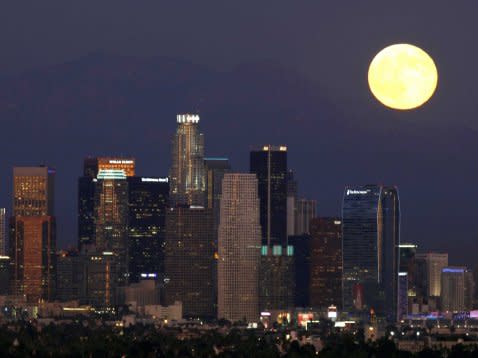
402, 76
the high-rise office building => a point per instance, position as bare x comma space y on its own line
4, 275
291, 202
408, 264
452, 294
187, 172
87, 185
276, 278
402, 301
69, 275
302, 261
3, 232
305, 210
269, 163
239, 248
111, 218
189, 260
215, 170
99, 285
147, 202
33, 234
433, 264
326, 262
371, 222
469, 290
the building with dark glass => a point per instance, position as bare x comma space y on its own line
189, 262
87, 185
305, 211
99, 285
325, 262
69, 275
292, 189
215, 169
371, 229
269, 163
302, 262
147, 205
111, 218
276, 278
402, 301
32, 247
5, 264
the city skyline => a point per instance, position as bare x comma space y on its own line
239, 178
73, 243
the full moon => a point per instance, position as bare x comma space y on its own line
402, 76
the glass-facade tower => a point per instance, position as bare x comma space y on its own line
269, 163
371, 239
147, 202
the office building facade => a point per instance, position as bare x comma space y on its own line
187, 172
276, 278
269, 163
302, 268
430, 274
452, 295
87, 185
69, 275
147, 206
189, 260
371, 239
239, 248
305, 211
111, 218
32, 233
325, 262
292, 188
215, 169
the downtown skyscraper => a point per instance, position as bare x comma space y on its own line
325, 262
215, 170
33, 234
189, 263
187, 172
269, 163
147, 206
103, 213
371, 239
88, 185
239, 250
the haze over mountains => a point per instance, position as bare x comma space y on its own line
115, 105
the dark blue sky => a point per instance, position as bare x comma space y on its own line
346, 138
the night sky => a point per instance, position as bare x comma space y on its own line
107, 77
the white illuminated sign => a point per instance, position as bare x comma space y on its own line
360, 192
155, 180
